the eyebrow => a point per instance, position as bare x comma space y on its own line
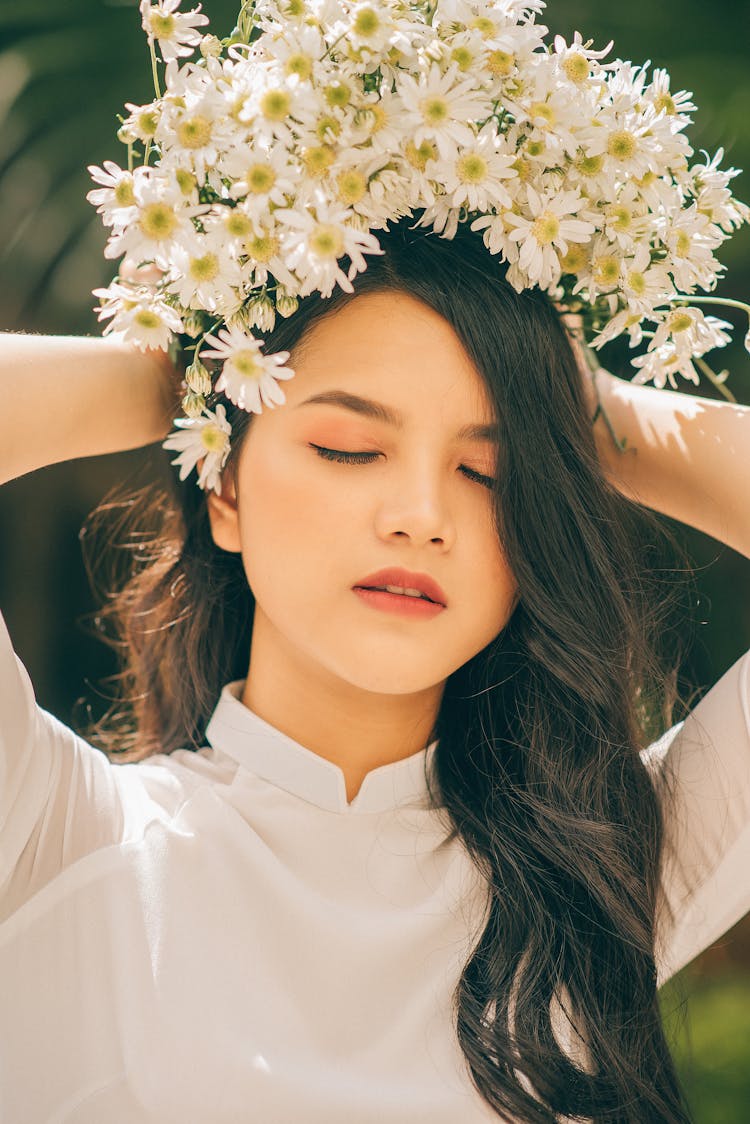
379, 412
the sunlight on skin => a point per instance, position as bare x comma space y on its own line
356, 685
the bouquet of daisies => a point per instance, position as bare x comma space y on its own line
269, 156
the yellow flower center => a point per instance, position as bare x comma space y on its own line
546, 228
471, 168
366, 22
260, 178
589, 165
434, 110
213, 439
607, 270
545, 111
262, 247
205, 268
575, 260
147, 122
124, 196
186, 181
147, 319
275, 105
418, 157
338, 94
500, 63
682, 244
576, 68
535, 148
463, 57
351, 186
326, 241
194, 132
245, 362
484, 25
622, 145
679, 322
622, 217
376, 117
318, 159
161, 26
636, 282
523, 168
237, 225
325, 123
647, 179
157, 221
666, 102
299, 64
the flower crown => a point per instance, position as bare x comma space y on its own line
282, 148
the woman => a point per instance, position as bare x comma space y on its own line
356, 856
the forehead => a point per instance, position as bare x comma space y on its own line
392, 347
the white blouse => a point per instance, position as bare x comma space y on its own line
220, 937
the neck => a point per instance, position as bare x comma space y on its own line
358, 730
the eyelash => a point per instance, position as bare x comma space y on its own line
366, 458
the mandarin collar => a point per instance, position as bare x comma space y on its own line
262, 749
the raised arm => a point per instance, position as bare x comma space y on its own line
68, 397
686, 457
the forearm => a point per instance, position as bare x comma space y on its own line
66, 397
686, 457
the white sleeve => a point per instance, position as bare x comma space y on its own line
703, 769
58, 796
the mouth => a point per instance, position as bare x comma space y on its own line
398, 592
404, 604
396, 582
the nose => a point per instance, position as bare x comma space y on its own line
415, 505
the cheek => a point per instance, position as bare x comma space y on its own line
289, 522
495, 588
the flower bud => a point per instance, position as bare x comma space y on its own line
198, 379
193, 404
286, 304
210, 46
192, 323
261, 312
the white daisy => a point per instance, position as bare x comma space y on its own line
660, 367
439, 106
204, 439
174, 31
476, 176
545, 231
313, 245
115, 200
203, 274
690, 331
138, 314
262, 174
248, 377
158, 222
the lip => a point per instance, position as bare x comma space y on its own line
408, 580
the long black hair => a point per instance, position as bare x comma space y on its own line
538, 764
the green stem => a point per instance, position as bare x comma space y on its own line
726, 301
154, 68
714, 379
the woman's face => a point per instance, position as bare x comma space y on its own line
310, 529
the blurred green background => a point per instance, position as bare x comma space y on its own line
66, 70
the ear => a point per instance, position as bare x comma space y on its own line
224, 517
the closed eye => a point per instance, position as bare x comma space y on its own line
366, 458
